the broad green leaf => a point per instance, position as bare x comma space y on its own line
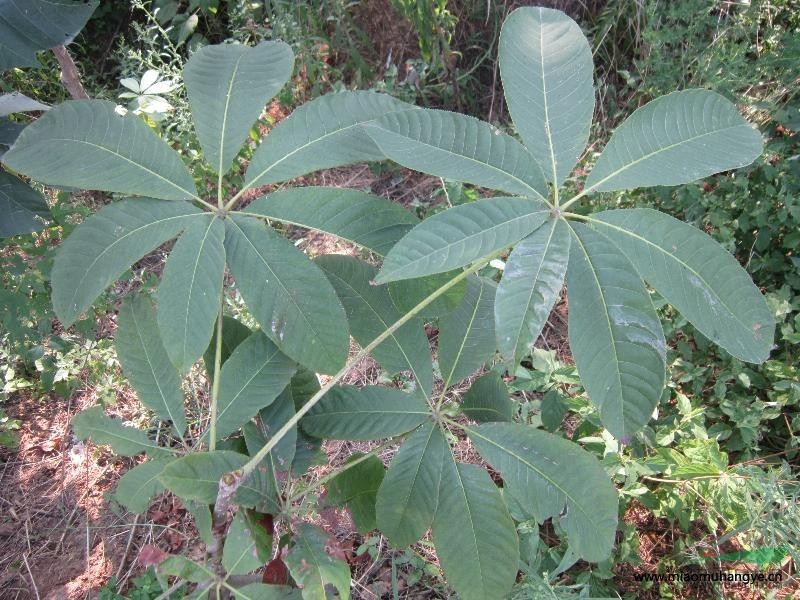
196, 476
458, 147
369, 221
547, 72
554, 478
614, 333
531, 283
312, 567
190, 291
234, 332
228, 86
320, 134
22, 209
488, 399
184, 568
260, 490
263, 591
370, 312
29, 26
409, 494
408, 293
124, 440
239, 553
461, 235
288, 295
697, 276
9, 132
252, 377
145, 362
87, 144
137, 487
474, 535
674, 139
109, 242
357, 489
466, 335
18, 102
368, 413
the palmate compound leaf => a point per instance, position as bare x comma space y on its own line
87, 144
532, 280
614, 333
313, 567
22, 209
674, 139
547, 72
697, 276
461, 235
289, 296
196, 476
228, 86
106, 244
126, 441
460, 148
554, 478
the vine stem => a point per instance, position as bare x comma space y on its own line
212, 427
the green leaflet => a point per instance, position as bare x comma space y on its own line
22, 209
357, 489
461, 235
546, 68
234, 332
87, 144
228, 86
614, 334
137, 487
488, 399
367, 413
240, 553
408, 293
146, 364
262, 591
126, 441
531, 283
196, 476
109, 242
312, 567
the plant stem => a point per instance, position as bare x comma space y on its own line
212, 427
70, 76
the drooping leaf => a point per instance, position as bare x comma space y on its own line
474, 535
312, 567
240, 553
228, 86
547, 72
488, 399
323, 133
367, 413
458, 147
409, 494
674, 139
111, 240
29, 26
203, 521
288, 295
466, 335
614, 333
125, 441
408, 293
460, 235
234, 332
19, 102
531, 283
137, 487
357, 489
22, 209
252, 377
370, 311
697, 276
87, 144
190, 290
369, 221
553, 477
146, 364
196, 476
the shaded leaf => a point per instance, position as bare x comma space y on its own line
22, 209
239, 553
234, 332
488, 399
196, 476
137, 487
313, 567
553, 410
357, 489
125, 441
408, 293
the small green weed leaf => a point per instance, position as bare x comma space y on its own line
474, 535
674, 139
288, 295
697, 276
22, 209
240, 553
488, 400
196, 476
553, 410
126, 441
458, 147
106, 244
547, 72
234, 332
86, 144
228, 86
137, 487
553, 477
368, 413
146, 364
408, 293
312, 567
409, 494
460, 235
357, 489
531, 283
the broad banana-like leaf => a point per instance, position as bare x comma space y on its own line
126, 441
137, 487
460, 148
697, 276
461, 235
547, 72
614, 333
228, 86
313, 567
22, 209
674, 139
196, 476
87, 144
488, 400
